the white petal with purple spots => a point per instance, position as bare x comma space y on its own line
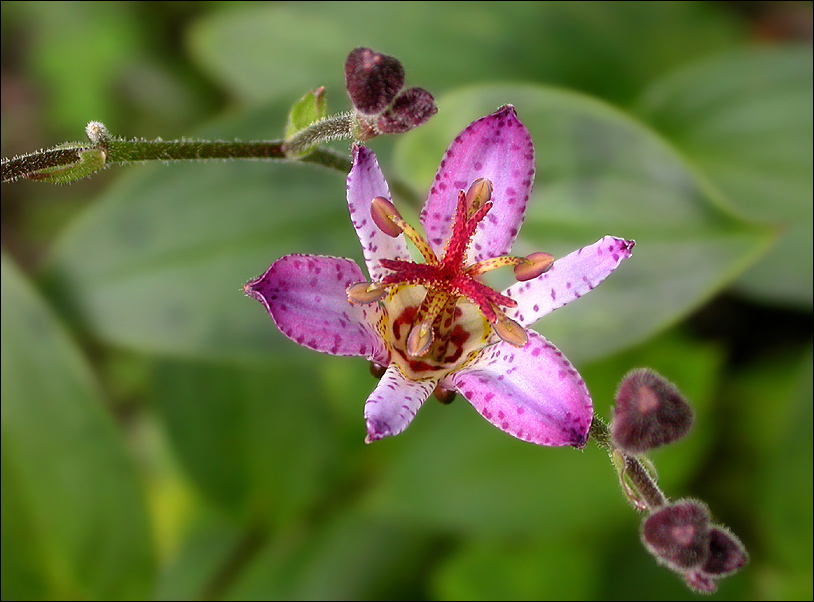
496, 147
305, 295
393, 405
532, 392
365, 182
568, 279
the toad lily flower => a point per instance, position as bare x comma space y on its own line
435, 325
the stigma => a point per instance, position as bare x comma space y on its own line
447, 280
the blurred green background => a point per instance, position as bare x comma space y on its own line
161, 440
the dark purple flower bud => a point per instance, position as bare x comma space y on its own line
412, 107
727, 554
444, 395
649, 412
377, 370
373, 80
700, 582
678, 534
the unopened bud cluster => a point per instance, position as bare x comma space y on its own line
683, 538
650, 412
375, 83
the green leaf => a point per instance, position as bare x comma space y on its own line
158, 263
351, 556
72, 504
307, 110
607, 48
255, 439
545, 569
600, 172
745, 119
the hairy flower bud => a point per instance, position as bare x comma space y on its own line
678, 535
649, 412
727, 554
373, 80
411, 108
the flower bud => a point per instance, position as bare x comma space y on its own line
444, 395
678, 535
727, 554
410, 109
700, 582
373, 80
649, 412
377, 370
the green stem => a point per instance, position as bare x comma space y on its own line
75, 160
639, 477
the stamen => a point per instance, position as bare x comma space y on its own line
384, 214
421, 335
478, 194
487, 265
510, 331
534, 265
365, 292
420, 339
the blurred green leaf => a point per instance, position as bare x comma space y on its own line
350, 556
600, 172
775, 429
259, 440
157, 264
545, 569
607, 48
72, 503
745, 119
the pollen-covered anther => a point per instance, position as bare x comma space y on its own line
420, 339
386, 216
478, 194
510, 331
365, 292
534, 265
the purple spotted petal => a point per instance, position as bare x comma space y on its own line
568, 279
496, 147
532, 392
305, 295
393, 405
365, 182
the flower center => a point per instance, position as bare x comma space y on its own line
431, 329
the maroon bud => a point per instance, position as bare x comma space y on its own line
444, 395
678, 534
377, 370
700, 582
412, 107
649, 412
373, 80
727, 554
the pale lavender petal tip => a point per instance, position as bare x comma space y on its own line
568, 279
497, 147
394, 403
306, 297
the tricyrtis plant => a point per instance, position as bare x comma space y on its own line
424, 317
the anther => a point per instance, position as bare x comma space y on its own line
535, 265
510, 331
386, 216
420, 339
478, 194
365, 292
